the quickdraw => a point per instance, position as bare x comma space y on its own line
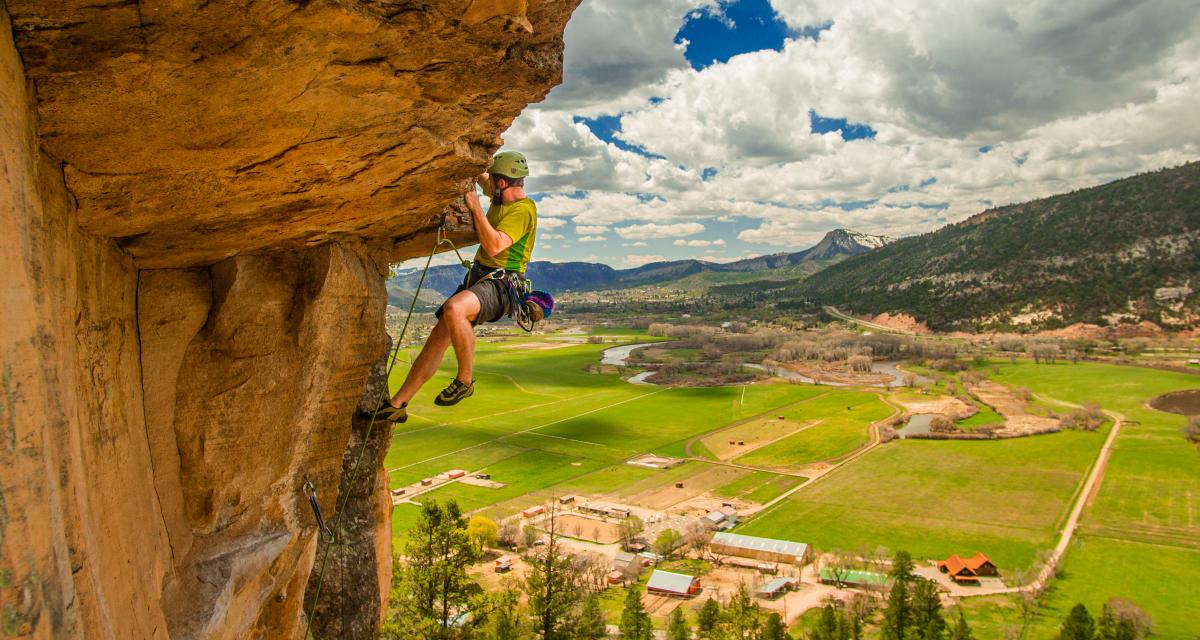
311, 491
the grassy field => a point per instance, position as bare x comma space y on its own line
1140, 537
935, 498
543, 426
845, 417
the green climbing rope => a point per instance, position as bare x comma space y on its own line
335, 526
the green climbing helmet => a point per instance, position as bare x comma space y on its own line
510, 164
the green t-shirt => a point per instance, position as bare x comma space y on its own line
518, 220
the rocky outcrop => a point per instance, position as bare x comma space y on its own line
200, 200
347, 600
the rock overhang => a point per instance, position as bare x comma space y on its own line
191, 131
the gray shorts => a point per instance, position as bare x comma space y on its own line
494, 303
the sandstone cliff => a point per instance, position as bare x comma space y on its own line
200, 199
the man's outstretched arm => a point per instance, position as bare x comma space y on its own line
492, 240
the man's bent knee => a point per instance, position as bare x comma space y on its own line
463, 305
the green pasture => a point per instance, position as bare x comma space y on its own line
846, 417
937, 497
758, 486
541, 425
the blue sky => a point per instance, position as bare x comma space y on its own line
720, 130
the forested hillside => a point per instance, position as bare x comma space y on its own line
1124, 251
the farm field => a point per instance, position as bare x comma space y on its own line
934, 498
844, 420
543, 427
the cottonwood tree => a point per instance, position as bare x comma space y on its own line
433, 587
483, 532
554, 587
1123, 620
1192, 429
838, 564
507, 534
629, 529
635, 622
666, 542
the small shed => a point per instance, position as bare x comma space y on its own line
673, 584
616, 577
455, 474
503, 563
776, 587
533, 511
714, 518
623, 560
566, 500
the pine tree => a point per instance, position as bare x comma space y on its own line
555, 587
897, 617
927, 611
635, 622
902, 566
708, 619
961, 631
434, 588
774, 629
1078, 625
827, 625
591, 625
742, 617
677, 627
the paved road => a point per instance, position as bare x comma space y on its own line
833, 311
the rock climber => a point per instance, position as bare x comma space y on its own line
506, 235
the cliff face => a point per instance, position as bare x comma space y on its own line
200, 199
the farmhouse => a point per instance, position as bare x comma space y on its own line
672, 584
853, 578
774, 588
969, 569
768, 549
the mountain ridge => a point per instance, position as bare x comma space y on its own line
583, 276
1124, 251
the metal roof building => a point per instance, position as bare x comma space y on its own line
776, 586
736, 544
677, 584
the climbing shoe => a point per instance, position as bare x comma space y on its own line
455, 392
386, 412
